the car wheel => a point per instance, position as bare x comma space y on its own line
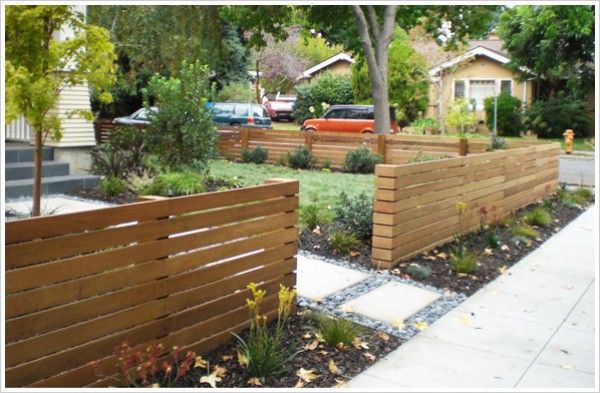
235, 125
310, 130
367, 132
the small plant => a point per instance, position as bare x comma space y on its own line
497, 143
582, 195
492, 238
326, 164
111, 186
423, 157
336, 330
258, 155
282, 160
110, 161
538, 216
361, 160
356, 214
418, 271
312, 216
342, 242
263, 350
301, 158
463, 261
176, 183
427, 125
138, 183
525, 231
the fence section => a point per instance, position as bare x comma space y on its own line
172, 271
415, 204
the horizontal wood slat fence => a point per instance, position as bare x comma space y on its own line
415, 204
172, 271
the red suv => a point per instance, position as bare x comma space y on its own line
278, 110
348, 118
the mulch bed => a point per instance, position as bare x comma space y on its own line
438, 260
350, 362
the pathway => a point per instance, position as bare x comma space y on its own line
532, 327
577, 169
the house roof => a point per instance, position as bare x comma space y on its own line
475, 51
333, 59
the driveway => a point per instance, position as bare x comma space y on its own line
575, 170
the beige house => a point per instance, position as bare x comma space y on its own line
474, 74
338, 64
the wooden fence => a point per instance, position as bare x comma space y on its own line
415, 204
172, 271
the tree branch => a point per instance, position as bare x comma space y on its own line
363, 31
375, 32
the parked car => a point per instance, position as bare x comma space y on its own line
348, 118
138, 117
278, 110
240, 114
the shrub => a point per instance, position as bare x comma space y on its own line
418, 271
110, 161
301, 158
525, 231
427, 125
361, 160
497, 143
176, 183
258, 155
329, 88
131, 140
326, 164
282, 160
539, 217
583, 194
182, 132
138, 183
551, 117
463, 261
336, 330
460, 116
342, 242
264, 351
492, 238
236, 91
111, 186
312, 216
356, 214
508, 114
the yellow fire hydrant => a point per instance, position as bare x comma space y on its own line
569, 136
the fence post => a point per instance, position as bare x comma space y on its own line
244, 134
381, 147
308, 141
463, 146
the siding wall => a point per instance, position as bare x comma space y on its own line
77, 131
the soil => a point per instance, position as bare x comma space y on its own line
491, 263
299, 331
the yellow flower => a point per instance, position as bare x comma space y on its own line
286, 299
461, 206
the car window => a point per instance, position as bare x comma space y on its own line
358, 113
227, 108
259, 111
241, 110
337, 113
142, 114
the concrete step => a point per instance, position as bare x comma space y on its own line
21, 152
24, 170
50, 185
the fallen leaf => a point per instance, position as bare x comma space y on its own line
370, 356
466, 320
442, 255
319, 337
312, 346
504, 247
421, 325
254, 382
430, 257
354, 253
487, 251
154, 385
358, 343
383, 335
299, 384
462, 274
399, 324
226, 357
211, 379
307, 375
340, 383
503, 269
219, 371
200, 362
317, 231
347, 308
307, 335
333, 368
396, 272
316, 247
242, 359
324, 353
567, 366
340, 346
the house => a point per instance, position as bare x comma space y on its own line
474, 73
338, 64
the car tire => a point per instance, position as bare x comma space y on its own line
235, 125
310, 130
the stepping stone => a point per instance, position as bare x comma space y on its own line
392, 302
317, 279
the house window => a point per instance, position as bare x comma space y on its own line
506, 87
480, 90
459, 89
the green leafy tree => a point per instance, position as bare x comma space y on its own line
315, 49
551, 117
555, 42
408, 84
39, 67
314, 97
508, 114
182, 132
460, 116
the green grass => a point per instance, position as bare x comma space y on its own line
580, 144
285, 125
316, 187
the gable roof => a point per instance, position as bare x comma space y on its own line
476, 51
333, 59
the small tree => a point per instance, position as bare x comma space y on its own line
328, 88
460, 116
39, 68
181, 132
508, 114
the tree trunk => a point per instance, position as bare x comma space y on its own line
37, 175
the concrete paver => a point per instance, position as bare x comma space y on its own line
543, 376
577, 170
317, 279
56, 204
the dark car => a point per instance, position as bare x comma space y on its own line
241, 114
278, 110
349, 118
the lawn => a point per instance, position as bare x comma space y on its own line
316, 187
286, 125
581, 144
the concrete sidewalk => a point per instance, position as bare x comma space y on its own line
534, 326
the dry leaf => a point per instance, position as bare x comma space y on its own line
307, 375
347, 308
154, 385
316, 247
226, 357
383, 335
312, 346
567, 366
396, 272
333, 368
219, 371
324, 353
354, 253
319, 337
358, 343
442, 255
504, 247
306, 335
317, 231
211, 379
430, 257
340, 346
503, 269
242, 359
200, 362
399, 324
254, 382
487, 251
299, 384
340, 383
421, 325
370, 356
